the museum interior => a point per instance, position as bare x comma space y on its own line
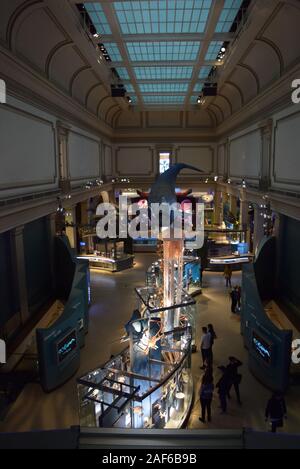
110, 338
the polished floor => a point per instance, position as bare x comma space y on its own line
113, 301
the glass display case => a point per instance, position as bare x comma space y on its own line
114, 396
105, 254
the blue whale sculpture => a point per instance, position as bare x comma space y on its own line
163, 189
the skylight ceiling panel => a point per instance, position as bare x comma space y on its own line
198, 87
228, 15
164, 99
163, 73
113, 51
163, 51
164, 87
129, 88
213, 50
98, 17
163, 16
204, 72
123, 73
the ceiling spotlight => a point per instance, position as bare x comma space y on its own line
244, 185
229, 181
216, 178
223, 49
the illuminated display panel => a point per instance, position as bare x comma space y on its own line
66, 346
261, 347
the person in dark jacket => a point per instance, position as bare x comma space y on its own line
206, 395
234, 378
276, 411
213, 337
222, 386
239, 296
234, 299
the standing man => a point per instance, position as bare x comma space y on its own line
222, 386
205, 346
234, 378
275, 411
234, 300
228, 275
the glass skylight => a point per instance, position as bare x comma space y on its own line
163, 73
163, 16
98, 17
198, 87
123, 73
163, 87
194, 99
228, 15
213, 50
204, 72
157, 51
164, 99
113, 51
129, 88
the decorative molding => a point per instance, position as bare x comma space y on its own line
104, 160
252, 73
196, 147
276, 179
239, 137
177, 126
49, 123
152, 153
94, 140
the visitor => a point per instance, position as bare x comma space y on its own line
234, 378
239, 296
205, 346
228, 275
222, 386
206, 395
234, 300
276, 411
213, 337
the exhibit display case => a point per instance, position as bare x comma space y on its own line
114, 396
106, 255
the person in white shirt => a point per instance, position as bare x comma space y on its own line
205, 346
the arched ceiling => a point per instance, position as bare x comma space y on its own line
48, 38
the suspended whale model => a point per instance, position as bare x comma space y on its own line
163, 189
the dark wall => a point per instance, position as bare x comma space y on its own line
9, 299
37, 263
289, 264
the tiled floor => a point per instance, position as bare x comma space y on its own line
113, 301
